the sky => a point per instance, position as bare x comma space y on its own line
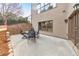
26, 8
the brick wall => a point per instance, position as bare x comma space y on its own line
4, 49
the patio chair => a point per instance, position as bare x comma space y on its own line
37, 34
29, 35
25, 35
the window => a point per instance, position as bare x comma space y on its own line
45, 3
38, 6
54, 5
42, 7
46, 26
38, 11
46, 7
42, 10
42, 4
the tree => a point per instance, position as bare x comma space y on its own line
23, 19
7, 8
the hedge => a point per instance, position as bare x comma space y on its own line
12, 21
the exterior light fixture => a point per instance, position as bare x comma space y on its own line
64, 11
65, 20
76, 6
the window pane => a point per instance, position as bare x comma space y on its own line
51, 4
54, 5
46, 3
42, 9
46, 7
38, 11
38, 6
42, 4
46, 26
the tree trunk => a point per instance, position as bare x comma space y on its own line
5, 20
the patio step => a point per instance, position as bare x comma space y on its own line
3, 42
11, 54
10, 49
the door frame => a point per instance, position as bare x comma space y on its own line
74, 15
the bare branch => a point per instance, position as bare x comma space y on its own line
6, 8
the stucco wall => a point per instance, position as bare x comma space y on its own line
60, 28
69, 10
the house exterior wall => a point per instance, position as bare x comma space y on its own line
58, 15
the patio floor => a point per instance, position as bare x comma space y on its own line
44, 46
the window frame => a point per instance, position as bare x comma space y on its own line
45, 27
45, 5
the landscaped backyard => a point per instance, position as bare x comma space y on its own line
24, 36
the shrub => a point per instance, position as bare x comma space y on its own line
11, 22
1, 22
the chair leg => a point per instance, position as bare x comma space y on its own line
28, 38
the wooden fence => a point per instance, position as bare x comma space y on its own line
16, 29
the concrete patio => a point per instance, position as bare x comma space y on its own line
44, 46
